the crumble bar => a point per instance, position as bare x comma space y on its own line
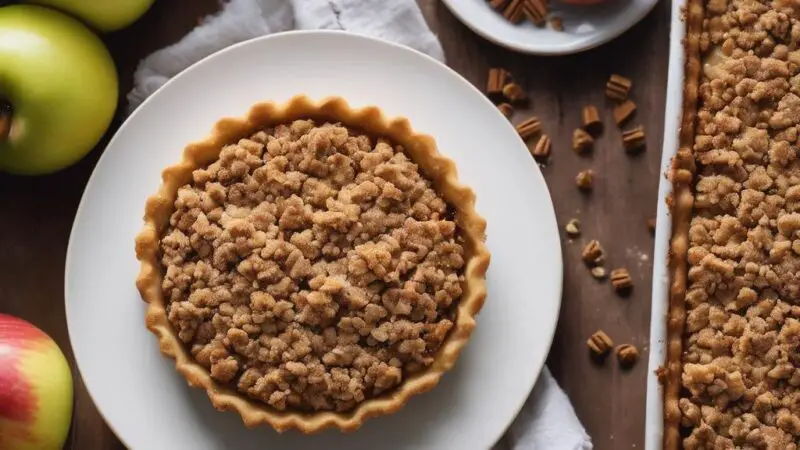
732, 378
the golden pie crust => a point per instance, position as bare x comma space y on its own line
732, 372
422, 150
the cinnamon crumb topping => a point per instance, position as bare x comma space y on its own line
311, 267
741, 359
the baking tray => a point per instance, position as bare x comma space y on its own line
654, 423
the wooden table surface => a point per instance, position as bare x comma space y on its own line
37, 213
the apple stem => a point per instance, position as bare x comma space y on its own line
5, 125
5, 119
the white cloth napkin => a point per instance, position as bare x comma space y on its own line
547, 421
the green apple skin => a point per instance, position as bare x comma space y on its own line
62, 85
103, 15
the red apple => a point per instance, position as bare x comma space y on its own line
35, 388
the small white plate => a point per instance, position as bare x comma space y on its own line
585, 27
138, 391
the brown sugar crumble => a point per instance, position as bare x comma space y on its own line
311, 267
741, 355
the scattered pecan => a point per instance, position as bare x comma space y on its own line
514, 93
585, 180
593, 252
621, 280
529, 128
651, 225
515, 11
627, 355
497, 79
536, 11
506, 109
618, 88
557, 23
600, 343
498, 5
591, 120
633, 139
573, 228
542, 149
581, 141
624, 111
598, 272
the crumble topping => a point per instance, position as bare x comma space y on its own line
311, 267
741, 365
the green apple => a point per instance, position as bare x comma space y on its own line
59, 84
104, 15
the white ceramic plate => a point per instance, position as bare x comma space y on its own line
585, 27
150, 406
654, 429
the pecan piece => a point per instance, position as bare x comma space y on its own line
542, 149
599, 272
494, 85
498, 5
506, 109
581, 141
592, 252
557, 23
515, 11
529, 128
600, 343
633, 140
536, 11
621, 280
573, 228
585, 180
624, 111
591, 120
514, 93
618, 87
627, 355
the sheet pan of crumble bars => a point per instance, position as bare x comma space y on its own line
725, 331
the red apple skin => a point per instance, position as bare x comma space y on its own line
35, 388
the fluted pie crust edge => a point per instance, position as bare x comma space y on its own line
421, 149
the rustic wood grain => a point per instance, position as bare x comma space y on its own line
38, 212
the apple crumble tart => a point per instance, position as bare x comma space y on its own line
732, 377
311, 265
